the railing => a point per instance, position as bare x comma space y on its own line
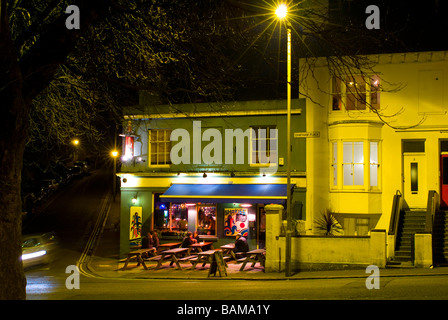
432, 207
395, 215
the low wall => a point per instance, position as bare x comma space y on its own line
323, 252
316, 252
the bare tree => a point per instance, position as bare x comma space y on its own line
63, 79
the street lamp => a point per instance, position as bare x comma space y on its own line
281, 13
114, 154
75, 142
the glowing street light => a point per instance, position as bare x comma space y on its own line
281, 13
114, 154
75, 142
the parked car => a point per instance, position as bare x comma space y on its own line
76, 172
38, 249
83, 165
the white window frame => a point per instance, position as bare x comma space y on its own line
167, 140
254, 142
337, 166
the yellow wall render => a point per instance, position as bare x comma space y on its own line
422, 102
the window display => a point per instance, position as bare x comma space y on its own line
207, 219
236, 221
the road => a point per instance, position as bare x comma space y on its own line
73, 213
401, 288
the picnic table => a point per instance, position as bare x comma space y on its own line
228, 250
200, 245
174, 255
254, 256
137, 254
167, 246
203, 257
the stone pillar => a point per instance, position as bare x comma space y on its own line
390, 246
378, 251
273, 224
423, 250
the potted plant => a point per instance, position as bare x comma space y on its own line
327, 224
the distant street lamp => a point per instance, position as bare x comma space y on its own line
281, 12
114, 154
75, 142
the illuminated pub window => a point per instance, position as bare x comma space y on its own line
207, 219
174, 217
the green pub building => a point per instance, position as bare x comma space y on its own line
210, 168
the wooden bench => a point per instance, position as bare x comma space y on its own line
155, 258
187, 258
253, 257
137, 254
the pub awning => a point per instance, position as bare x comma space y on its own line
226, 193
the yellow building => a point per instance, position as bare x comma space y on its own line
379, 133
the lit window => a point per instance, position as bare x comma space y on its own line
334, 163
263, 145
356, 93
337, 94
353, 164
160, 146
375, 92
374, 164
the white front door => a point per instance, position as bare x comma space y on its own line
414, 173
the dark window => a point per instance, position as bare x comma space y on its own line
414, 146
445, 170
414, 177
444, 146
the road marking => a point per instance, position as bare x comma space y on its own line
90, 247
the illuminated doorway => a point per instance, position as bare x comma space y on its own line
414, 173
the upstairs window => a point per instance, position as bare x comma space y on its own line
160, 147
263, 145
355, 93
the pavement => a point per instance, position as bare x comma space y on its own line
105, 263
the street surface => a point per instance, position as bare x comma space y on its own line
401, 288
73, 214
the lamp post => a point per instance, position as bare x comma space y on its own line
75, 142
114, 154
281, 13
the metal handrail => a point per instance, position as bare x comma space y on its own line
395, 214
432, 206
